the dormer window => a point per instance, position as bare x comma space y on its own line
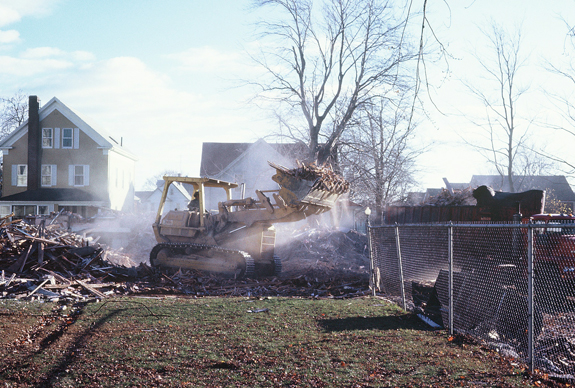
67, 138
47, 138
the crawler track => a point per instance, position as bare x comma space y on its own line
203, 257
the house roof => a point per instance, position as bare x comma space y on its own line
97, 134
217, 156
556, 185
144, 194
52, 195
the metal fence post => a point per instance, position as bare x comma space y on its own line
530, 303
450, 277
372, 281
402, 286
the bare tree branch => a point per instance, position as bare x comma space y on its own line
13, 112
330, 66
506, 138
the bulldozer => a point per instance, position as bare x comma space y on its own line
238, 239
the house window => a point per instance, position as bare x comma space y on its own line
4, 210
43, 210
47, 138
21, 211
79, 175
67, 138
22, 175
48, 175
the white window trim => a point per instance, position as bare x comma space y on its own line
5, 210
53, 175
51, 137
15, 175
71, 138
72, 175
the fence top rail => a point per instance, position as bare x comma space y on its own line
499, 225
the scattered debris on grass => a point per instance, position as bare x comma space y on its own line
46, 261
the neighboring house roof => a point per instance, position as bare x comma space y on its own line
52, 194
144, 195
97, 134
557, 184
217, 156
180, 189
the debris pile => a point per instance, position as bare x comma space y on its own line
198, 284
324, 177
43, 260
323, 254
47, 261
446, 198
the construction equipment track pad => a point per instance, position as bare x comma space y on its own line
225, 262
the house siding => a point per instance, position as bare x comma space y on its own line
87, 154
121, 172
17, 155
101, 158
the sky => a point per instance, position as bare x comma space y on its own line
166, 75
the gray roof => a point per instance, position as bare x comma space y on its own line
556, 185
52, 195
217, 156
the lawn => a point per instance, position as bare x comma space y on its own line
238, 342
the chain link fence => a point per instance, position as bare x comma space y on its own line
510, 285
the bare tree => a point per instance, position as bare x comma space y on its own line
564, 101
13, 112
324, 64
378, 157
499, 92
157, 180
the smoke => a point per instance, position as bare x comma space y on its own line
122, 233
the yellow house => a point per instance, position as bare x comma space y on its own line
55, 161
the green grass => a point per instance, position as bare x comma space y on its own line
217, 342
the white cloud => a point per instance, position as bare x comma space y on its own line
24, 67
161, 122
205, 59
8, 15
43, 62
83, 56
42, 52
10, 36
12, 11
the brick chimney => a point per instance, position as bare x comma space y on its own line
34, 144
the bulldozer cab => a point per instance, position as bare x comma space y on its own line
199, 184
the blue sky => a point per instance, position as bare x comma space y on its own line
163, 74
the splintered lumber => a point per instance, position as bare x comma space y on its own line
91, 289
33, 250
37, 288
19, 265
10, 280
324, 177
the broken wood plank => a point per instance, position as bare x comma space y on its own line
37, 288
91, 289
10, 280
18, 266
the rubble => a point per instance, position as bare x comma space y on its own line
316, 262
323, 253
446, 198
44, 260
196, 284
324, 177
40, 260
